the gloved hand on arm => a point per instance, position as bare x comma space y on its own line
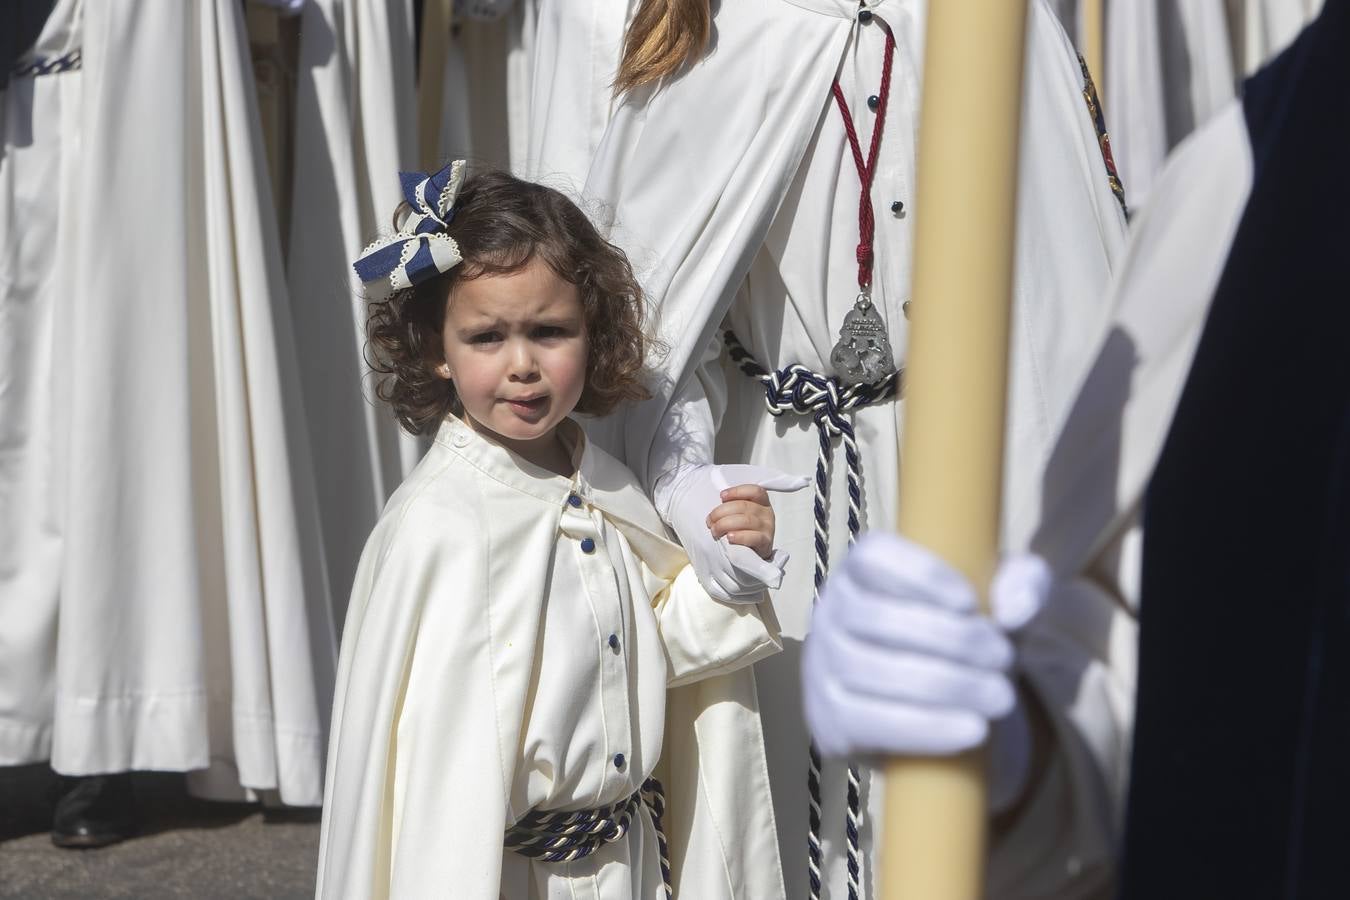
730, 571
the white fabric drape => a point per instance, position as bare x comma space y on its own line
40, 135
355, 129
1169, 68
194, 627
574, 58
1271, 25
493, 58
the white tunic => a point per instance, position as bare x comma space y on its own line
1160, 297
595, 720
735, 194
39, 144
560, 60
1169, 69
510, 644
355, 129
1271, 25
193, 629
574, 59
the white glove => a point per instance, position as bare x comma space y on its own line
899, 659
729, 572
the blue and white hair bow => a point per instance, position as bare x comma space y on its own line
420, 249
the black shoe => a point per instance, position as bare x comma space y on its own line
94, 811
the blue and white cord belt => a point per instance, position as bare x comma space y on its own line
797, 390
573, 835
48, 65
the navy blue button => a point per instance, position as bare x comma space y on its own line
865, 16
587, 545
873, 102
897, 207
618, 760
614, 642
574, 500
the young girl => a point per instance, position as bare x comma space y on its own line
519, 614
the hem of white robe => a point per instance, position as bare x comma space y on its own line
170, 733
23, 743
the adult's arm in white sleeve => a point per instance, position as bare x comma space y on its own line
690, 486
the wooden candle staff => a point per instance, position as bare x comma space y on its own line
950, 479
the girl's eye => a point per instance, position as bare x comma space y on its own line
548, 331
485, 337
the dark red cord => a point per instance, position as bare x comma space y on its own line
868, 168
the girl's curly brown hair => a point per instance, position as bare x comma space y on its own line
501, 223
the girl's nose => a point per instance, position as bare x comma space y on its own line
523, 365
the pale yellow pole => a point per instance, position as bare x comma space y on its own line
436, 21
1093, 26
956, 377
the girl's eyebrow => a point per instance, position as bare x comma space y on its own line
481, 322
562, 319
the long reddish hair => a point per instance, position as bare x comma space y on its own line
664, 35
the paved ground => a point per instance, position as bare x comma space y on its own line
188, 848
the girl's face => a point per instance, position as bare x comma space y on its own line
515, 347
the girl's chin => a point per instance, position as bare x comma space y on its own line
517, 429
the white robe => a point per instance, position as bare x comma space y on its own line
735, 195
492, 63
40, 140
194, 631
1169, 69
573, 59
355, 129
1161, 293
1268, 26
554, 79
478, 681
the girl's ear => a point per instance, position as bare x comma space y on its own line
443, 370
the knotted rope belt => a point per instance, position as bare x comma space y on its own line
567, 836
799, 391
48, 65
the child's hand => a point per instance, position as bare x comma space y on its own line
744, 517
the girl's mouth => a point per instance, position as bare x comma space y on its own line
528, 405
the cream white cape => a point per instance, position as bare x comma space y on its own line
449, 593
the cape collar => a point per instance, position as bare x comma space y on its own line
600, 481
514, 471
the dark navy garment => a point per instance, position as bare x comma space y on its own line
21, 24
1241, 767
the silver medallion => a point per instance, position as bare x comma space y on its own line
863, 352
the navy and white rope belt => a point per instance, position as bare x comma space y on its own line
797, 390
48, 65
573, 835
